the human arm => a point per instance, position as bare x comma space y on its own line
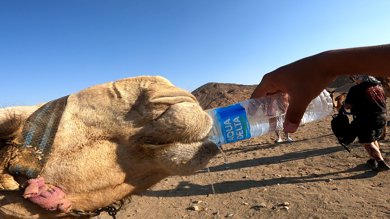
304, 79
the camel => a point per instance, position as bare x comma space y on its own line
109, 141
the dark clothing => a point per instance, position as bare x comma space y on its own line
368, 132
368, 102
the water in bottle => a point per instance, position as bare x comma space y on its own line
256, 117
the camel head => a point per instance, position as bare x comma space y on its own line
110, 141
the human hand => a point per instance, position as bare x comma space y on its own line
302, 81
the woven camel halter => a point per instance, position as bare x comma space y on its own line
38, 135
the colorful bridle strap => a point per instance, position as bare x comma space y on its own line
38, 133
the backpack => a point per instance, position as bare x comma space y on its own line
342, 129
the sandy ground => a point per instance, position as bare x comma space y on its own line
313, 177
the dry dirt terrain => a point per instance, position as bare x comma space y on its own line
313, 177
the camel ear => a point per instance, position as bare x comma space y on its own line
12, 119
9, 123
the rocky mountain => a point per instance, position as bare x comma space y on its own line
213, 95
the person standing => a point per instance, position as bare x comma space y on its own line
280, 120
367, 102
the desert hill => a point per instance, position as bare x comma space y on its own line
213, 95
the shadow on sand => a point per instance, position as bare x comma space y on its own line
186, 188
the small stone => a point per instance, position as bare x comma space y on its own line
285, 208
259, 206
194, 208
285, 204
230, 215
245, 203
329, 180
197, 202
256, 207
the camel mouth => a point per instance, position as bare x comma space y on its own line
205, 142
172, 101
183, 122
211, 147
185, 159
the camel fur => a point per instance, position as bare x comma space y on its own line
113, 140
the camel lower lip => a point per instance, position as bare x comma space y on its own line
212, 149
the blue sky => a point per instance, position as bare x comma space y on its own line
49, 49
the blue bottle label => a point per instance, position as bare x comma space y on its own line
234, 123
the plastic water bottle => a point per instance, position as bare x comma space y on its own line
256, 117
